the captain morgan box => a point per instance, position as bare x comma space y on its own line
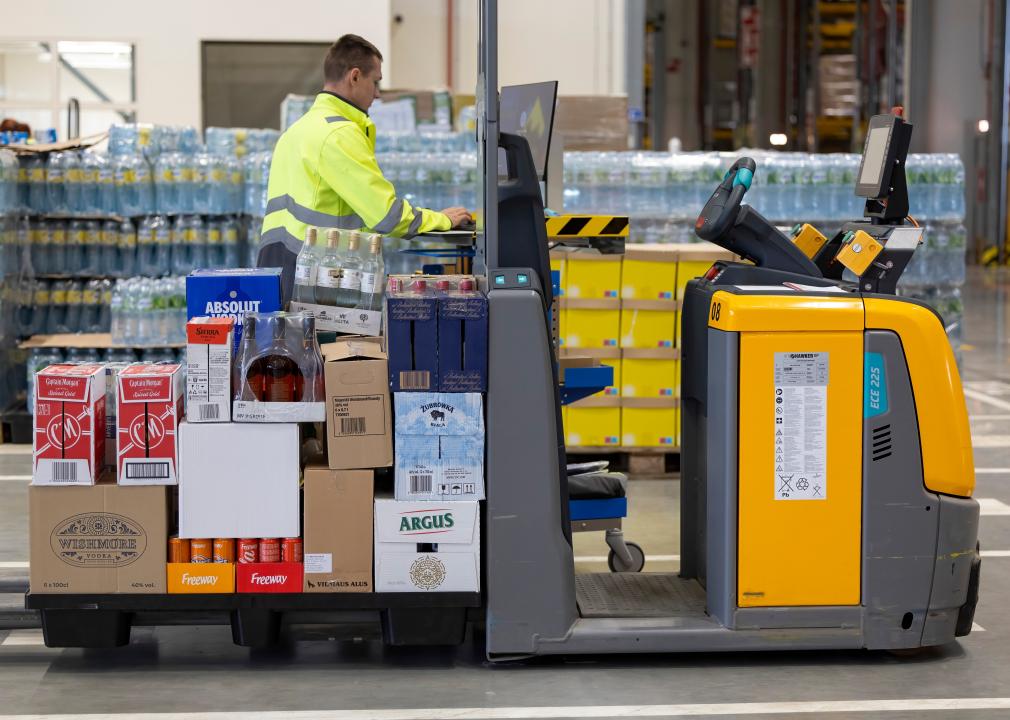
69, 437
233, 293
149, 408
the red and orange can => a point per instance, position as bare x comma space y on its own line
248, 550
270, 550
178, 549
201, 551
224, 550
291, 550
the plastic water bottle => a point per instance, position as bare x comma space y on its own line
105, 298
165, 192
196, 238
56, 183
232, 168
72, 181
146, 252
144, 297
179, 306
91, 307
111, 263
203, 188
229, 241
75, 301
127, 248
24, 188
182, 262
164, 238
183, 172
116, 309
106, 187
41, 293
74, 256
92, 264
59, 244
38, 199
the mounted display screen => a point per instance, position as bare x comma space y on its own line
878, 158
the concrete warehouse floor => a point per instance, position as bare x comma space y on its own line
198, 672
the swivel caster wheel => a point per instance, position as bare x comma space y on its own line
617, 564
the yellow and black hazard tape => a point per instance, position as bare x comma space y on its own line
566, 226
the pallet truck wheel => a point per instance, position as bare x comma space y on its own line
637, 559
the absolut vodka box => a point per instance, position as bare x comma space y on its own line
439, 446
232, 293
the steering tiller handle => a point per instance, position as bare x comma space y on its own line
721, 209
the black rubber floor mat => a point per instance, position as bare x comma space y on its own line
637, 595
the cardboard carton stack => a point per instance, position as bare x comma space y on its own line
625, 312
427, 536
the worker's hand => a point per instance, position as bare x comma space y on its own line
458, 215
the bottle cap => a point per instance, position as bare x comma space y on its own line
375, 244
332, 238
420, 285
310, 236
442, 286
467, 285
353, 240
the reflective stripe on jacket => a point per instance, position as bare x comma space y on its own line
324, 174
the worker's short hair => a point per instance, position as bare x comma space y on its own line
347, 53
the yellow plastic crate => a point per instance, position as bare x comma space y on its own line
592, 426
648, 328
592, 328
650, 377
649, 272
593, 277
650, 427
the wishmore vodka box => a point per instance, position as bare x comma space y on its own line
439, 443
426, 546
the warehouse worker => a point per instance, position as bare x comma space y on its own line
324, 172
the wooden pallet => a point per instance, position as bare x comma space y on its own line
633, 460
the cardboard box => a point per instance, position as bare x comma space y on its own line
650, 373
462, 343
359, 419
412, 341
201, 578
112, 370
69, 436
148, 412
650, 425
594, 422
238, 480
427, 547
593, 277
255, 411
209, 344
278, 577
338, 530
100, 539
594, 358
342, 320
588, 325
592, 122
648, 328
439, 446
649, 272
232, 293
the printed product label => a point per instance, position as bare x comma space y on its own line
359, 415
58, 237
328, 277
304, 274
367, 283
318, 562
874, 385
213, 236
801, 432
350, 279
98, 539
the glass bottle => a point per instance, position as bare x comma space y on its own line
350, 275
306, 267
372, 274
328, 272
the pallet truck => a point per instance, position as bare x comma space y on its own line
827, 466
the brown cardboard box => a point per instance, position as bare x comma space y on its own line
592, 122
105, 538
359, 425
338, 530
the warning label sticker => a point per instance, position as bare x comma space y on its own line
801, 426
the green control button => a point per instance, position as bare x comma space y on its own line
523, 279
499, 279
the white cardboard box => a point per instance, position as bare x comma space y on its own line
209, 343
341, 319
238, 480
427, 546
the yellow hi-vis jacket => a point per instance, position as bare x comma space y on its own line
324, 174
